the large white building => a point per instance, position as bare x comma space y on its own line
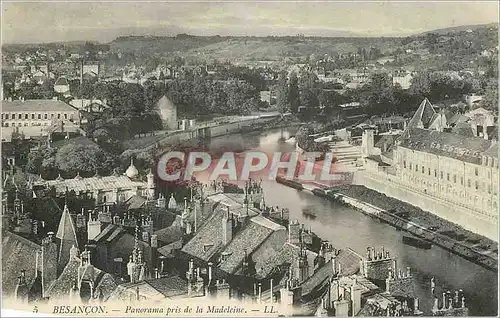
450, 167
37, 117
450, 174
104, 189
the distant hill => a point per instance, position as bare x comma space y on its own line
248, 48
460, 28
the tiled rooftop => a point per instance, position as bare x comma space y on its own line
104, 283
154, 289
36, 105
209, 233
94, 183
247, 239
286, 254
18, 254
468, 149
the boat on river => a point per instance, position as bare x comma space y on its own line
309, 213
416, 242
290, 183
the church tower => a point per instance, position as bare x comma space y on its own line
136, 267
172, 204
186, 218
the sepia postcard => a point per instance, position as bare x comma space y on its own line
249, 159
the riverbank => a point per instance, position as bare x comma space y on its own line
447, 235
191, 137
403, 216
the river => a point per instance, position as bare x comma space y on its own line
346, 227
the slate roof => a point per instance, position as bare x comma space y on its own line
154, 289
172, 233
135, 202
457, 118
94, 183
36, 105
104, 283
468, 149
424, 113
463, 129
286, 254
67, 234
386, 139
168, 250
208, 241
46, 209
235, 202
373, 302
492, 151
209, 233
61, 81
18, 254
111, 232
163, 218
349, 265
249, 238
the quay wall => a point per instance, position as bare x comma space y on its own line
418, 230
471, 220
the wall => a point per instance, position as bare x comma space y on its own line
467, 218
472, 185
377, 269
401, 287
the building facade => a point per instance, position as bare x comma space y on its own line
452, 175
35, 118
472, 182
39, 112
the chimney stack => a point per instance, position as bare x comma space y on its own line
210, 273
227, 228
260, 292
272, 294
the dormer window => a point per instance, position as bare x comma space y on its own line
224, 256
207, 247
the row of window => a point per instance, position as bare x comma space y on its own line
451, 193
25, 124
476, 170
448, 176
38, 116
477, 184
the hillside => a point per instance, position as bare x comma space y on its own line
460, 28
247, 48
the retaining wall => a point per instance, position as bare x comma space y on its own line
468, 219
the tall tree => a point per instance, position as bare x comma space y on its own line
293, 93
83, 158
282, 102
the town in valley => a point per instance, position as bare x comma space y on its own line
407, 121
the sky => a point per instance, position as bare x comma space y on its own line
37, 22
